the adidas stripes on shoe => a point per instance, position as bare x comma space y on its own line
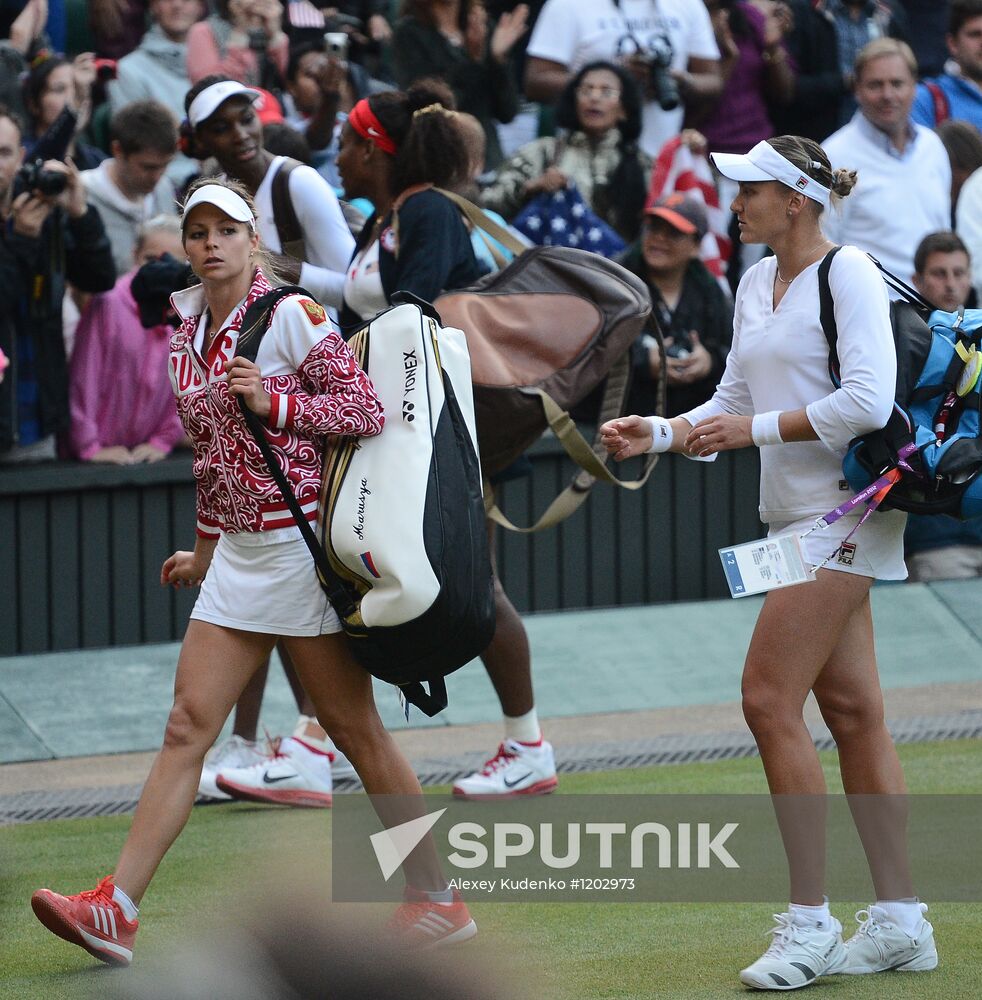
92, 919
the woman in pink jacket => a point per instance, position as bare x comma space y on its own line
257, 578
122, 405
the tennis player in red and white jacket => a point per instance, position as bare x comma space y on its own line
315, 388
257, 578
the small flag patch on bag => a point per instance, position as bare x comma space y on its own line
366, 558
315, 311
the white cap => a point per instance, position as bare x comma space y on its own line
207, 102
765, 163
223, 199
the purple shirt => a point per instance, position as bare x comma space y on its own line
120, 389
741, 120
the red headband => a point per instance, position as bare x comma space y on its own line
364, 122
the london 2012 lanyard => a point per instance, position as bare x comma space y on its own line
873, 495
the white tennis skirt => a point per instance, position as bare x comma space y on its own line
264, 581
876, 550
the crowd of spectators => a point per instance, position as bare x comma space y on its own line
100, 133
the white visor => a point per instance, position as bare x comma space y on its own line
765, 163
208, 101
223, 199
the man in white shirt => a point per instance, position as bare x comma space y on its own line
904, 187
132, 187
664, 42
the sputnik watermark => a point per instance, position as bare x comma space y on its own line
475, 845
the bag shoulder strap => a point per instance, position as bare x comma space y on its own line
827, 313
476, 217
827, 304
942, 107
288, 226
255, 325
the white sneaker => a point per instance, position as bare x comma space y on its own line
230, 753
341, 767
798, 955
291, 776
516, 769
880, 944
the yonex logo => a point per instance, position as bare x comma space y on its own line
409, 363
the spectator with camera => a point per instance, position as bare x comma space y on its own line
668, 45
689, 307
53, 84
157, 68
122, 404
453, 40
132, 186
55, 237
243, 40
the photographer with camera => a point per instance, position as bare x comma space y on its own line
667, 44
52, 84
54, 236
689, 307
243, 40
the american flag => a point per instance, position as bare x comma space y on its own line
678, 169
303, 14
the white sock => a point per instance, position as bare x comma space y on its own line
440, 896
905, 913
524, 728
126, 904
817, 916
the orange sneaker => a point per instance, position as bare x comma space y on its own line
420, 923
93, 920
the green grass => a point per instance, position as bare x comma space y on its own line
226, 859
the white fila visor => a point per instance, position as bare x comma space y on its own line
765, 163
224, 200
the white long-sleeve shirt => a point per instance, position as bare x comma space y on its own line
327, 240
899, 197
779, 361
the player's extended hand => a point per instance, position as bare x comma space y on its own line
626, 437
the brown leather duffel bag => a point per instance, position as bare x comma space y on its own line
543, 333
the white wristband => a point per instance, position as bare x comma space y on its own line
661, 435
766, 428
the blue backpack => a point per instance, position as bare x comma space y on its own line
929, 455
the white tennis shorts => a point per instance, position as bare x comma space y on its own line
264, 581
876, 550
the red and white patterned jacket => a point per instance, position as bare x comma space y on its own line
316, 389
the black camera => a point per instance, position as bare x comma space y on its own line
663, 85
33, 177
680, 347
